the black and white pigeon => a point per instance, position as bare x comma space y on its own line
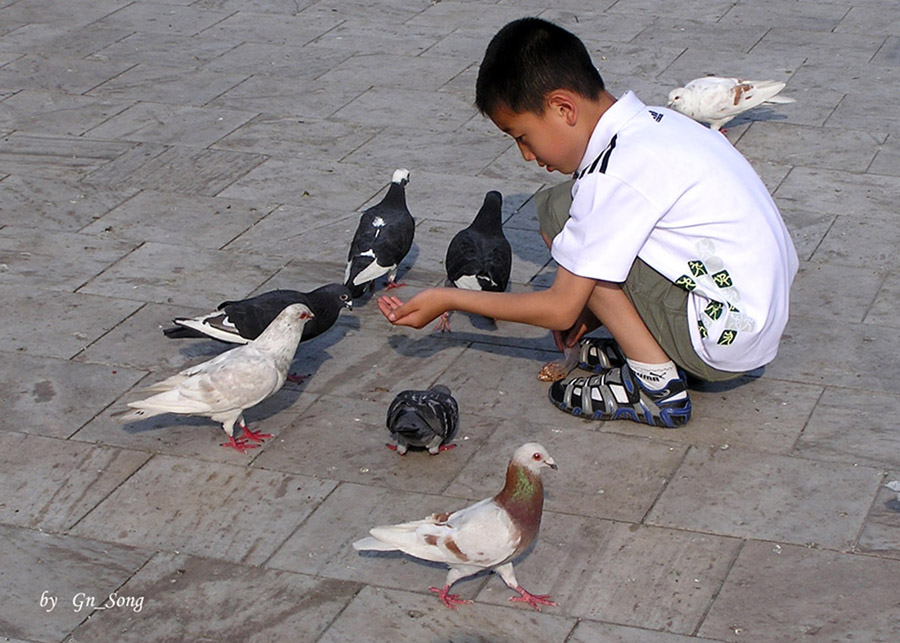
241, 321
223, 387
486, 535
715, 100
479, 257
423, 420
383, 238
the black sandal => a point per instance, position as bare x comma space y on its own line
619, 395
599, 354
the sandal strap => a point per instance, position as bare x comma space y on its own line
599, 354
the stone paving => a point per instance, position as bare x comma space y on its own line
157, 157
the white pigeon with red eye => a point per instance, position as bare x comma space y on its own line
715, 101
223, 387
486, 535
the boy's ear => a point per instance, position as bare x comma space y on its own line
562, 103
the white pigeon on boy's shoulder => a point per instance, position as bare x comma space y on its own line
223, 387
486, 535
715, 100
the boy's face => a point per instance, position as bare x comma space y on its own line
547, 138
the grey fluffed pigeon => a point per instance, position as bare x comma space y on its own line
479, 257
715, 100
486, 535
382, 239
423, 420
223, 387
240, 321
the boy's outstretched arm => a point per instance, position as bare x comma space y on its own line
556, 308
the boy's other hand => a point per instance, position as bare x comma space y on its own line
585, 323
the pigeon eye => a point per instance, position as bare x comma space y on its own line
536, 457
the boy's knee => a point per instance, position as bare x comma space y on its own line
552, 205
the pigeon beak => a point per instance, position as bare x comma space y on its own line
550, 463
348, 304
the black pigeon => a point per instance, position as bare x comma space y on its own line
239, 322
384, 236
423, 420
479, 257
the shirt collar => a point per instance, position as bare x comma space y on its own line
612, 120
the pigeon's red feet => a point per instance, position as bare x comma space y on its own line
296, 379
394, 447
256, 436
443, 323
240, 444
445, 447
393, 284
450, 600
535, 600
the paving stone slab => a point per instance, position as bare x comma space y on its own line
815, 16
138, 342
887, 161
600, 475
591, 631
51, 484
828, 352
165, 84
847, 150
182, 51
309, 235
756, 412
881, 533
781, 593
870, 18
853, 426
195, 437
866, 242
59, 38
834, 291
389, 105
178, 169
169, 274
428, 150
884, 306
76, 13
289, 64
327, 186
382, 613
62, 158
368, 35
179, 219
681, 33
56, 323
54, 397
770, 497
171, 124
55, 260
165, 19
807, 229
365, 365
248, 26
314, 140
68, 569
181, 504
241, 602
42, 112
661, 579
821, 47
281, 94
321, 546
344, 439
59, 73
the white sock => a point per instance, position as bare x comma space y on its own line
654, 376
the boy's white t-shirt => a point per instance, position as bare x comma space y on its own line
655, 184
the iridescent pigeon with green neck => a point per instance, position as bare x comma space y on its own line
486, 535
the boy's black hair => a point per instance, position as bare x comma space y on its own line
529, 58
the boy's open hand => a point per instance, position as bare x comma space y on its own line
418, 312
